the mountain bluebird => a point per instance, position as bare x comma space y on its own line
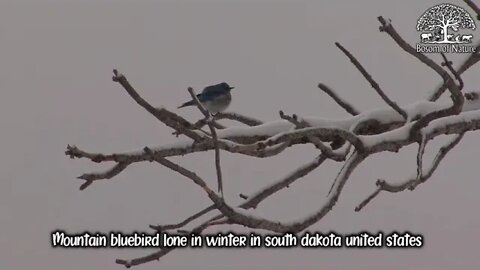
215, 98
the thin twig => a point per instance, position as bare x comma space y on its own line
108, 174
421, 151
247, 120
255, 199
210, 121
448, 64
162, 228
469, 62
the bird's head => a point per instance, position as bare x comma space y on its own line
225, 86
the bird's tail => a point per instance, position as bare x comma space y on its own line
188, 103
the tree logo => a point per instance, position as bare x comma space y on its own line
440, 26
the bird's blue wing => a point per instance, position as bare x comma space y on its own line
211, 93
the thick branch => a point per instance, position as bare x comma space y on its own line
327, 151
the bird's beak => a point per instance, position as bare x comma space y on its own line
231, 87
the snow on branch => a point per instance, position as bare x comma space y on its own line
350, 140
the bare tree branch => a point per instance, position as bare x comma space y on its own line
411, 184
255, 199
372, 82
108, 174
247, 120
162, 228
456, 95
344, 104
474, 7
469, 62
202, 122
210, 121
155, 256
170, 119
421, 151
448, 64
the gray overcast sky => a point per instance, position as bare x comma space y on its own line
55, 89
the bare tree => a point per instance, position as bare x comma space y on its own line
350, 141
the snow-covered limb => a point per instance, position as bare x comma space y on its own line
282, 134
385, 119
398, 138
327, 151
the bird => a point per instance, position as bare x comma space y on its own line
215, 98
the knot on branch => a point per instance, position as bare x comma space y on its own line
72, 151
380, 183
471, 96
149, 154
385, 24
117, 76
